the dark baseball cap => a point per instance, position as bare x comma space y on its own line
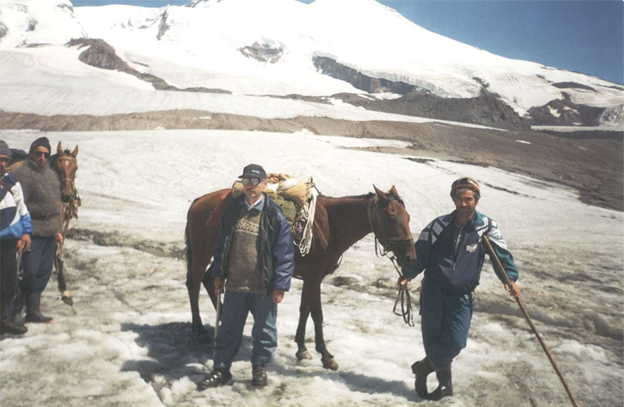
253, 171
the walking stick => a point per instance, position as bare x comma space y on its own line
528, 318
214, 350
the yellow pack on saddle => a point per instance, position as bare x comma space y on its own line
289, 193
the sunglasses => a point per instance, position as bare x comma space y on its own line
253, 181
4, 160
42, 154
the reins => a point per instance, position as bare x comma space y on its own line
386, 242
404, 297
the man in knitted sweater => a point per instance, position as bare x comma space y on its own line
254, 259
42, 193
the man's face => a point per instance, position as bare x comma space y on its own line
40, 155
465, 203
4, 163
253, 192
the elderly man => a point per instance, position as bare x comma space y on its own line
42, 193
254, 260
15, 231
451, 254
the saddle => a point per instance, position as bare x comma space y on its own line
296, 199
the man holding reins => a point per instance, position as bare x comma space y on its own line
451, 253
254, 260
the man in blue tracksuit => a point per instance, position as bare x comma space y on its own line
15, 231
254, 259
451, 253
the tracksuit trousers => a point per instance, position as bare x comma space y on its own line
445, 322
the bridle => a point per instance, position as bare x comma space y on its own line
63, 180
383, 242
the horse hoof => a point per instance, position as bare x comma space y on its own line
330, 363
303, 354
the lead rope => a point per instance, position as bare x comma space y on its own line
404, 297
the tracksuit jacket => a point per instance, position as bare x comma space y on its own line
276, 254
453, 258
14, 217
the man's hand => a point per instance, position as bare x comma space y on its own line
513, 289
219, 285
59, 238
278, 296
402, 282
23, 245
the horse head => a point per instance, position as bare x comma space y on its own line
66, 165
390, 223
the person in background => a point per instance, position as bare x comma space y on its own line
451, 253
42, 193
15, 231
254, 260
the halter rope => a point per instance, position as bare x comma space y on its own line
403, 295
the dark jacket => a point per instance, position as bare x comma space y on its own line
276, 253
453, 258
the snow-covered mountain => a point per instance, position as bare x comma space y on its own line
328, 47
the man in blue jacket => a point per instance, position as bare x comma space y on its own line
15, 231
254, 260
451, 253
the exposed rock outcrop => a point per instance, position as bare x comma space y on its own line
262, 52
101, 55
564, 112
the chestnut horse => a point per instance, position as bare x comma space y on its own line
338, 224
65, 165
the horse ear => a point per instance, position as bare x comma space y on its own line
380, 193
394, 192
75, 152
59, 149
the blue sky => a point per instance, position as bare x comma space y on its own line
582, 36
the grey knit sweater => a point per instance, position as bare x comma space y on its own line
42, 193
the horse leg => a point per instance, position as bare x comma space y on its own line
317, 317
304, 313
193, 285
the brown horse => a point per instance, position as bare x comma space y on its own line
65, 165
339, 223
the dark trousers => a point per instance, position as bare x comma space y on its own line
38, 264
445, 322
8, 274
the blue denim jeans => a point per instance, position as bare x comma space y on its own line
445, 322
236, 307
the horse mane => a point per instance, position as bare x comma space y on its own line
354, 198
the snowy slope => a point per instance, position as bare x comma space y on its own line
362, 34
224, 45
128, 341
34, 22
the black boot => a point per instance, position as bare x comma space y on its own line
32, 309
422, 369
259, 376
445, 388
8, 326
218, 377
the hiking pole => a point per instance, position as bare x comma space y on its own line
528, 318
214, 348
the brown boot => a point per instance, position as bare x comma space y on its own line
32, 310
